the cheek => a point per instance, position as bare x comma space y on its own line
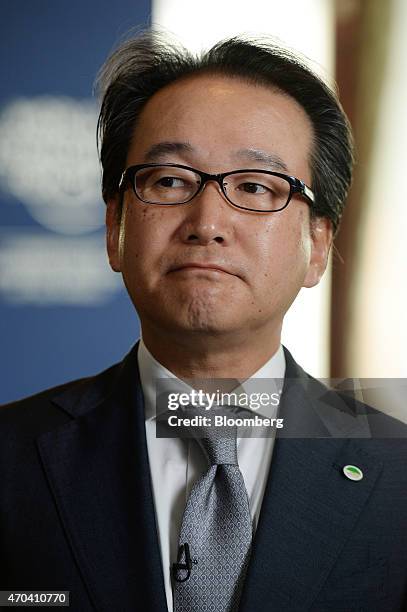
122, 234
140, 224
284, 251
134, 236
145, 232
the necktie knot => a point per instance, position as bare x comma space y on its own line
218, 440
219, 448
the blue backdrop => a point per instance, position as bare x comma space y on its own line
63, 312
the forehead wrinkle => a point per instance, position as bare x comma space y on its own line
271, 159
163, 149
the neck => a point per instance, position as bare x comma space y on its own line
203, 355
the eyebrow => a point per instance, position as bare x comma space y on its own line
271, 159
163, 149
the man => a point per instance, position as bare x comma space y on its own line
224, 179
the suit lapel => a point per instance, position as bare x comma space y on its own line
97, 468
309, 508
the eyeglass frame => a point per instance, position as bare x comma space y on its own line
296, 184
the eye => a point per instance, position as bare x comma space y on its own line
170, 181
255, 188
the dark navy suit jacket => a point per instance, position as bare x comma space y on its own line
77, 514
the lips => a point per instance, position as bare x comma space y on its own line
203, 266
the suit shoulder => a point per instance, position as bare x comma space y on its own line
36, 408
40, 412
383, 432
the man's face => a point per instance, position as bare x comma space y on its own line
206, 267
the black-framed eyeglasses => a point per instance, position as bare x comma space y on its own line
249, 189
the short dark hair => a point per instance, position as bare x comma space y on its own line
150, 61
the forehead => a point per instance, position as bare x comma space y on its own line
219, 117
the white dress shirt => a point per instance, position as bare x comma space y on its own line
175, 463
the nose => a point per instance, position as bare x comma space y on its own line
208, 218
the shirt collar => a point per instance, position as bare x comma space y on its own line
151, 370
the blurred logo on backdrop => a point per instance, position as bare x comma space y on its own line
49, 164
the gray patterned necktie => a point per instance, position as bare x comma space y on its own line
216, 531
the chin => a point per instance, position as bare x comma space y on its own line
197, 316
201, 311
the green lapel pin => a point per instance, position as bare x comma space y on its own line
353, 472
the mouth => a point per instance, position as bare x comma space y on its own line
204, 267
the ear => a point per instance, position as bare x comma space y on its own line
113, 233
321, 237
